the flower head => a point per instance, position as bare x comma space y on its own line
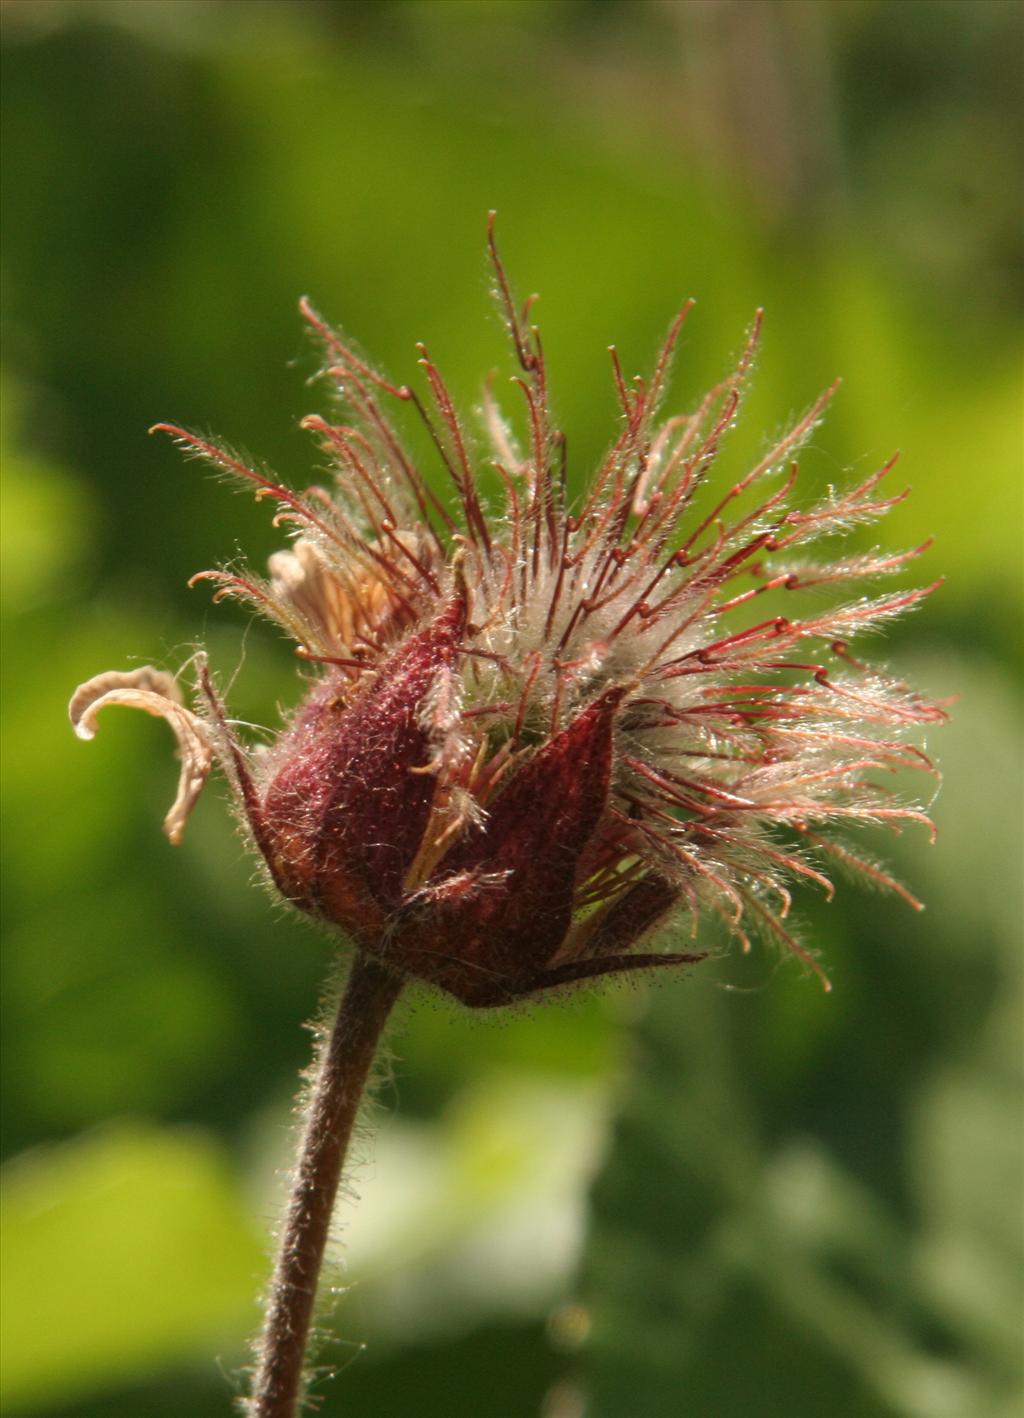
536, 732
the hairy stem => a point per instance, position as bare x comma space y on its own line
338, 1086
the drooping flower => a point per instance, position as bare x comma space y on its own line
539, 728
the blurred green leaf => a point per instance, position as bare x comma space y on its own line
124, 1250
717, 1234
45, 519
968, 1156
476, 1216
441, 1046
106, 1014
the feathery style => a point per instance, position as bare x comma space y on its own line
536, 732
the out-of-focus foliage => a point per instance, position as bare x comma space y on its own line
806, 1202
840, 1241
125, 1208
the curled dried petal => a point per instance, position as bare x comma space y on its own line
157, 693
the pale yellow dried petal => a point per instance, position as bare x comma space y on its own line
157, 693
342, 610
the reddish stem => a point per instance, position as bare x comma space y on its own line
337, 1090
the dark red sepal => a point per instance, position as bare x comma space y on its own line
349, 804
631, 916
501, 902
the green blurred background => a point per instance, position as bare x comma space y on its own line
727, 1196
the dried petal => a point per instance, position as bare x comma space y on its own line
157, 693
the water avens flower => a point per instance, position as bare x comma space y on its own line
539, 729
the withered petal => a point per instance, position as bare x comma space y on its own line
157, 693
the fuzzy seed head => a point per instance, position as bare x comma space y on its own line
540, 727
